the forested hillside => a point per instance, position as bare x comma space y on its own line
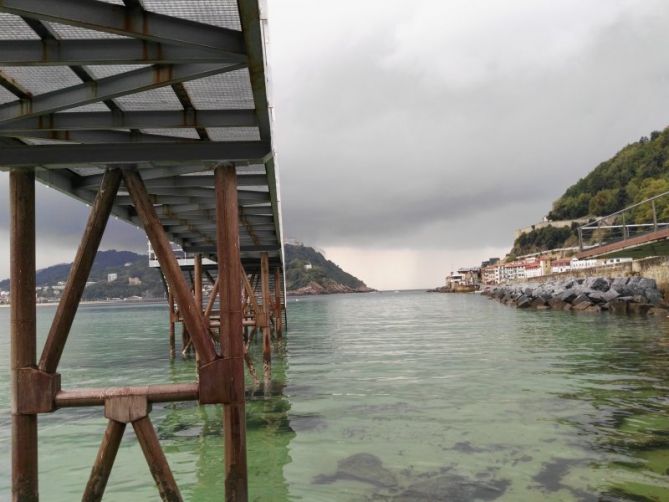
638, 171
635, 173
125, 264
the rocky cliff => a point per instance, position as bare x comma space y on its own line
308, 272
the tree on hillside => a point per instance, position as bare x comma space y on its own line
616, 183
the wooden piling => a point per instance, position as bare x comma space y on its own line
197, 280
266, 303
97, 482
23, 351
278, 316
232, 346
173, 342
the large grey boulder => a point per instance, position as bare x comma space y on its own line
619, 283
567, 296
582, 298
604, 296
598, 284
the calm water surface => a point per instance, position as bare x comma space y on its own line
389, 397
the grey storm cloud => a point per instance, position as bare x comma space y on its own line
60, 221
385, 130
438, 125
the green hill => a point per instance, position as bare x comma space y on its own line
125, 264
635, 173
309, 270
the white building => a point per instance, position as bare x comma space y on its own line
616, 261
560, 266
577, 264
112, 277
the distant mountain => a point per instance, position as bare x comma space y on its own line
133, 277
309, 272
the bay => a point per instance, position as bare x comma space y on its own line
385, 396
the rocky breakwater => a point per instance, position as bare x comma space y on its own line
624, 295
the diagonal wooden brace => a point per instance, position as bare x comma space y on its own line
192, 313
81, 268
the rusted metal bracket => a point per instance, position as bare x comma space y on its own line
127, 409
36, 391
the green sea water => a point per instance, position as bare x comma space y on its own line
388, 396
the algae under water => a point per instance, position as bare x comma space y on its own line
389, 397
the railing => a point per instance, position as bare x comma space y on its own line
633, 221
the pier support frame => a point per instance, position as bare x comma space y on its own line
36, 388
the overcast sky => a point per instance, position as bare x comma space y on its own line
415, 137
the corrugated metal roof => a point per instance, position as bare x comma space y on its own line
56, 100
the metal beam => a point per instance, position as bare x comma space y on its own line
132, 152
205, 181
134, 23
82, 121
100, 136
123, 84
249, 15
147, 174
14, 87
244, 249
244, 196
106, 52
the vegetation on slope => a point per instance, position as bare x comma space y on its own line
322, 272
542, 239
637, 172
125, 264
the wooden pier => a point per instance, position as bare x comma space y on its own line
179, 146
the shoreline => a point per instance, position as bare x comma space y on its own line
99, 302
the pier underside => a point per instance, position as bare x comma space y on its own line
157, 113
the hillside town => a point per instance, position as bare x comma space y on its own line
494, 271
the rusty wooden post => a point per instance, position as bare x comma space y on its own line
212, 300
278, 317
266, 305
81, 268
160, 469
232, 346
97, 482
192, 314
23, 349
173, 342
197, 280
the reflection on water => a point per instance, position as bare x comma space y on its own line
386, 397
121, 345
